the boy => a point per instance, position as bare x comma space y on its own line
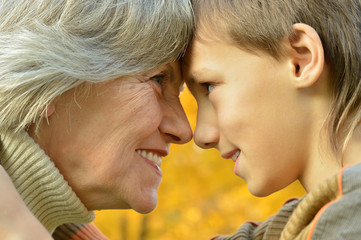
278, 87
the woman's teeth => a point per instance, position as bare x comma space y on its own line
235, 156
151, 156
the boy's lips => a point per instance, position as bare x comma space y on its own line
232, 154
235, 156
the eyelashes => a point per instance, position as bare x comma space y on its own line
166, 83
208, 87
160, 82
159, 79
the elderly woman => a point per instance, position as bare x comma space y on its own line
89, 102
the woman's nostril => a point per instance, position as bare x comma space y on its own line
174, 138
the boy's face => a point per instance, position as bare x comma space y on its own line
250, 111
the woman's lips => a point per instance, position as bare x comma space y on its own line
152, 158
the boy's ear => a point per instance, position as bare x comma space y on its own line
306, 56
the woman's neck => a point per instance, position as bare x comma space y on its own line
39, 182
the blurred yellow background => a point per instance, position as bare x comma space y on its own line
199, 198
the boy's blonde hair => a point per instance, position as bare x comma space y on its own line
263, 24
50, 46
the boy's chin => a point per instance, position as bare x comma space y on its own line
261, 190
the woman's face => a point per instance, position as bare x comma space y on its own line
108, 141
250, 111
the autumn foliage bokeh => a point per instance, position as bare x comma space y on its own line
199, 197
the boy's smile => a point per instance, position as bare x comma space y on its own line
248, 108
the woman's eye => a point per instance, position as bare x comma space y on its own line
208, 86
158, 79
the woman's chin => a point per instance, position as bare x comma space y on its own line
145, 207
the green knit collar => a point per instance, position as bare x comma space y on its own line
39, 182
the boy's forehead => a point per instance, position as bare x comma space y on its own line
195, 71
206, 57
208, 34
211, 28
198, 56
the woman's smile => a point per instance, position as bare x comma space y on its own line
137, 118
153, 157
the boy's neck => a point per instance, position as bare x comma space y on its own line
320, 167
323, 163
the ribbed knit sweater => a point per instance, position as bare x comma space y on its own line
43, 188
330, 211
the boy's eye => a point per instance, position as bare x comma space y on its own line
208, 86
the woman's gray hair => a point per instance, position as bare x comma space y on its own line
50, 46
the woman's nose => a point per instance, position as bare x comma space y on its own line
175, 125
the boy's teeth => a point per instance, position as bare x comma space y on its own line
151, 156
235, 156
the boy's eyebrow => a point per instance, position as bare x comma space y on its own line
194, 77
202, 75
197, 75
189, 79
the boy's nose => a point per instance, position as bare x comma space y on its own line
206, 134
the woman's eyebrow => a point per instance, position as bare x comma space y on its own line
169, 67
170, 70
